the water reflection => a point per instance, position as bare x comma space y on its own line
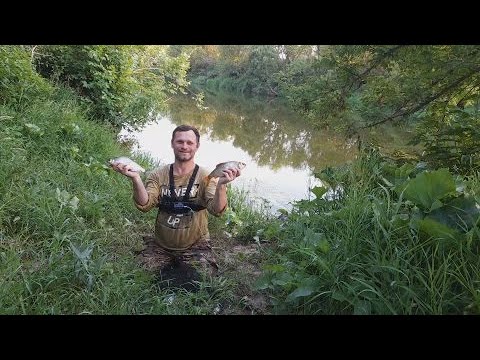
270, 134
279, 150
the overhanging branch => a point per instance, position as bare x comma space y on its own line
425, 102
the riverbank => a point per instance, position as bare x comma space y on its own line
69, 229
69, 233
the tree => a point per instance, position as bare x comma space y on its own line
121, 84
357, 87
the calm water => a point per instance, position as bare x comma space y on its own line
280, 151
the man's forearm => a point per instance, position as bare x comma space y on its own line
139, 192
220, 198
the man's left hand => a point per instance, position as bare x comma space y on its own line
228, 176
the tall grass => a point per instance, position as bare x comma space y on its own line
246, 218
358, 255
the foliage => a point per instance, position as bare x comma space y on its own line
19, 83
245, 219
263, 62
249, 69
202, 57
384, 83
451, 137
355, 87
393, 240
122, 84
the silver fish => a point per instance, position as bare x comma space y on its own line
126, 161
218, 171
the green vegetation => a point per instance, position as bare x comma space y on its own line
385, 239
121, 84
68, 227
19, 82
382, 236
352, 88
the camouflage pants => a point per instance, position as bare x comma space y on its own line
155, 258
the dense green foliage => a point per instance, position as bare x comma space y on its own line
436, 87
19, 83
245, 69
380, 239
122, 84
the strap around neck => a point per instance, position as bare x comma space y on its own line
171, 182
190, 182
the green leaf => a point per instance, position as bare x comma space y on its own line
82, 255
262, 283
362, 307
438, 230
62, 196
73, 203
428, 187
275, 268
436, 204
388, 183
319, 191
33, 129
313, 238
324, 246
337, 295
461, 213
282, 279
399, 220
301, 291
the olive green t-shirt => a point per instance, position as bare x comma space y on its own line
180, 231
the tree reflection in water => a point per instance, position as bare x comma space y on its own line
270, 134
280, 150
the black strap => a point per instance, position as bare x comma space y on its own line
171, 182
189, 186
190, 183
171, 203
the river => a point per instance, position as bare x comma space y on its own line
281, 151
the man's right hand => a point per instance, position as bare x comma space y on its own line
139, 193
125, 170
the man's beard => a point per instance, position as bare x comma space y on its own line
178, 157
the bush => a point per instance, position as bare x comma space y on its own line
19, 83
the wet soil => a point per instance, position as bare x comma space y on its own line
239, 262
178, 275
243, 263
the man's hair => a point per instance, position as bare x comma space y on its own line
187, 128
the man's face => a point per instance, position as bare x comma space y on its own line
184, 145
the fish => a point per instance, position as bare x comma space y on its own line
126, 161
218, 171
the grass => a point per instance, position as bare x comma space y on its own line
352, 256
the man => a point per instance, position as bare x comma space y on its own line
183, 196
